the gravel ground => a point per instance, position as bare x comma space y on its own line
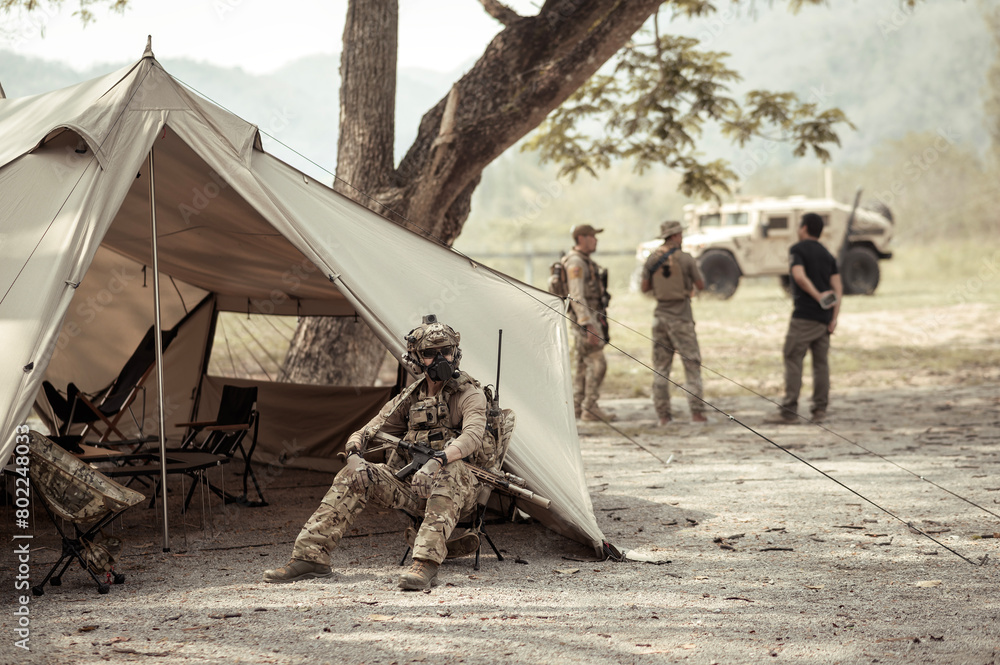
759, 558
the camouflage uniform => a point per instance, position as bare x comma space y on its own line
673, 327
586, 290
458, 411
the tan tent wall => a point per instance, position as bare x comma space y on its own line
301, 426
110, 312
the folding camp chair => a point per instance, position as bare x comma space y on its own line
237, 416
471, 527
101, 411
84, 497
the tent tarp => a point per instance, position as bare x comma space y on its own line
234, 221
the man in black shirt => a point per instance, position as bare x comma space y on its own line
816, 293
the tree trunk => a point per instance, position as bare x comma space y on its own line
346, 351
531, 67
324, 345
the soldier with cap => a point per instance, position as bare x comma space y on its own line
673, 277
589, 297
446, 409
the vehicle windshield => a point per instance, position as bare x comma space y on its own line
718, 219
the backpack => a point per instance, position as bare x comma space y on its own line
558, 285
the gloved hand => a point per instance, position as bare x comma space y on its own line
357, 473
424, 477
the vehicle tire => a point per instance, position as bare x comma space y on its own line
859, 271
721, 273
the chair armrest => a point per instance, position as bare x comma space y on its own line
222, 428
196, 424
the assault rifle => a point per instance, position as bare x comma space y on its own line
605, 301
503, 481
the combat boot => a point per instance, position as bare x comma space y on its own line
464, 545
596, 414
296, 570
421, 575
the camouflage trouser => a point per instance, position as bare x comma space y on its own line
453, 494
813, 336
673, 331
589, 367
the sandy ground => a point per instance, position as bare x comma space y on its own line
761, 557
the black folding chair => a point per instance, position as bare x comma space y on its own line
100, 412
89, 501
236, 417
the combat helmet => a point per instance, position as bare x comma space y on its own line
432, 335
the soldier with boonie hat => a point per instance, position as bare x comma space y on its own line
672, 275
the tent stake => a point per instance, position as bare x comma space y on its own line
159, 356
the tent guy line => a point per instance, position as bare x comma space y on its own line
789, 452
808, 421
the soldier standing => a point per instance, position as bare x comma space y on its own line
444, 409
589, 297
673, 276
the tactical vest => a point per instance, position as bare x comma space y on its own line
669, 281
593, 285
429, 417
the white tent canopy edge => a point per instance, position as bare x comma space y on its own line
58, 207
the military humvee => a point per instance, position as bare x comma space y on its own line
750, 237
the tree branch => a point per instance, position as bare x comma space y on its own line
528, 70
500, 11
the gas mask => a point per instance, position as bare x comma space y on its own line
440, 369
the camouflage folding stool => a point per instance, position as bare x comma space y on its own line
76, 493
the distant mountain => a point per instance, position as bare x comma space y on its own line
892, 70
297, 105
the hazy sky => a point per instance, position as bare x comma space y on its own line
434, 34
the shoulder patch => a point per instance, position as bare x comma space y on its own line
574, 272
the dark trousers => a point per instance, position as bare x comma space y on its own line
814, 337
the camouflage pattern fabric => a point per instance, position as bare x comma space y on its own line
673, 331
453, 493
589, 367
72, 489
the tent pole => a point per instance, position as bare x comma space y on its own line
159, 356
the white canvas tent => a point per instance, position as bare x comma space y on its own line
236, 222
